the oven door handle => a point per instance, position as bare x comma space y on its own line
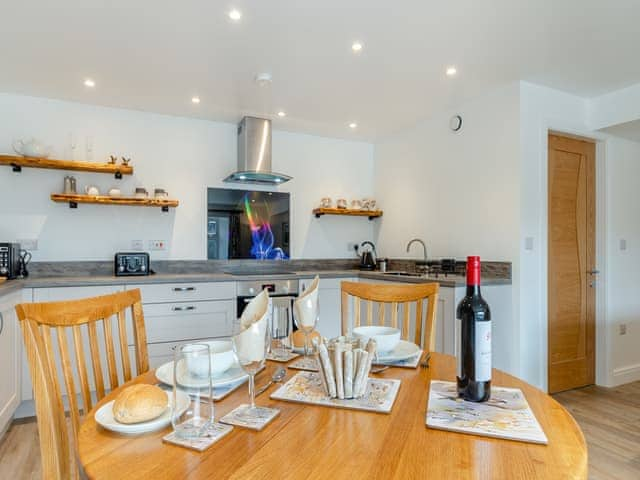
286, 297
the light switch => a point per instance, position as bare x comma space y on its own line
623, 244
528, 243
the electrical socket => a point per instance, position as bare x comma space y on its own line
137, 245
623, 329
352, 247
30, 244
157, 245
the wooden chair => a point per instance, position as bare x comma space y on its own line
398, 297
45, 325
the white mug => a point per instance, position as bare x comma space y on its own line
91, 190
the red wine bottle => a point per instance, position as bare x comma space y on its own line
474, 347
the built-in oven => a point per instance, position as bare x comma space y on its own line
282, 294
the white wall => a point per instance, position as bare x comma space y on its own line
623, 266
185, 156
485, 191
459, 192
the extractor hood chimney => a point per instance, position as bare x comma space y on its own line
254, 154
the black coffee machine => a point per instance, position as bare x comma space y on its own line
367, 257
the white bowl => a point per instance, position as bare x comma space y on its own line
221, 359
386, 337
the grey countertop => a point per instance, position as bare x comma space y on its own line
89, 280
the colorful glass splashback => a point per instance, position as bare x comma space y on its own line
243, 224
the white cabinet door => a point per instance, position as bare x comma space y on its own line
9, 369
329, 297
176, 322
185, 292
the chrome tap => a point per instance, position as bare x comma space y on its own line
424, 248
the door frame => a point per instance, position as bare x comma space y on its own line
602, 340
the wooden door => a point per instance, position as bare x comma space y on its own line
571, 264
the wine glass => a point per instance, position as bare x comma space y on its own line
192, 380
281, 328
250, 347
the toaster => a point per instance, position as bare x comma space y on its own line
131, 264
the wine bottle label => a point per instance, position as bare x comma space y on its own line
483, 352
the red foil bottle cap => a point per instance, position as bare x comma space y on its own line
473, 270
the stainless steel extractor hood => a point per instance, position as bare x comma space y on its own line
254, 154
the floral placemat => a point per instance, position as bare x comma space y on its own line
214, 433
408, 363
305, 363
306, 387
506, 415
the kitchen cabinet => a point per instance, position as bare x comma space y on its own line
329, 298
175, 313
10, 340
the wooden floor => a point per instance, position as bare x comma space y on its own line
609, 418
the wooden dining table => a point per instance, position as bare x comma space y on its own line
316, 442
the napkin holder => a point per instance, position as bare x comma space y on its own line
344, 367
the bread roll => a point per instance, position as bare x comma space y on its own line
139, 403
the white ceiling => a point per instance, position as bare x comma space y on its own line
155, 55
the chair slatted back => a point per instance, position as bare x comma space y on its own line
73, 340
400, 300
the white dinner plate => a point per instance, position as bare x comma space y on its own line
164, 373
402, 351
104, 417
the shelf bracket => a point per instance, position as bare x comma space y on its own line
16, 168
73, 204
118, 175
165, 208
371, 218
318, 215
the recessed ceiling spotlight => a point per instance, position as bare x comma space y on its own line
353, 125
195, 100
451, 71
89, 83
356, 47
235, 15
282, 114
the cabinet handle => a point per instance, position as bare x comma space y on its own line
184, 289
182, 309
1, 323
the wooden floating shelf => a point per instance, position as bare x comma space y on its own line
74, 200
17, 162
318, 212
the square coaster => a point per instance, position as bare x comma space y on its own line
281, 356
305, 363
257, 420
214, 433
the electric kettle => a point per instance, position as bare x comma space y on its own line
368, 257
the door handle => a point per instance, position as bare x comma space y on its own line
183, 309
184, 289
593, 272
